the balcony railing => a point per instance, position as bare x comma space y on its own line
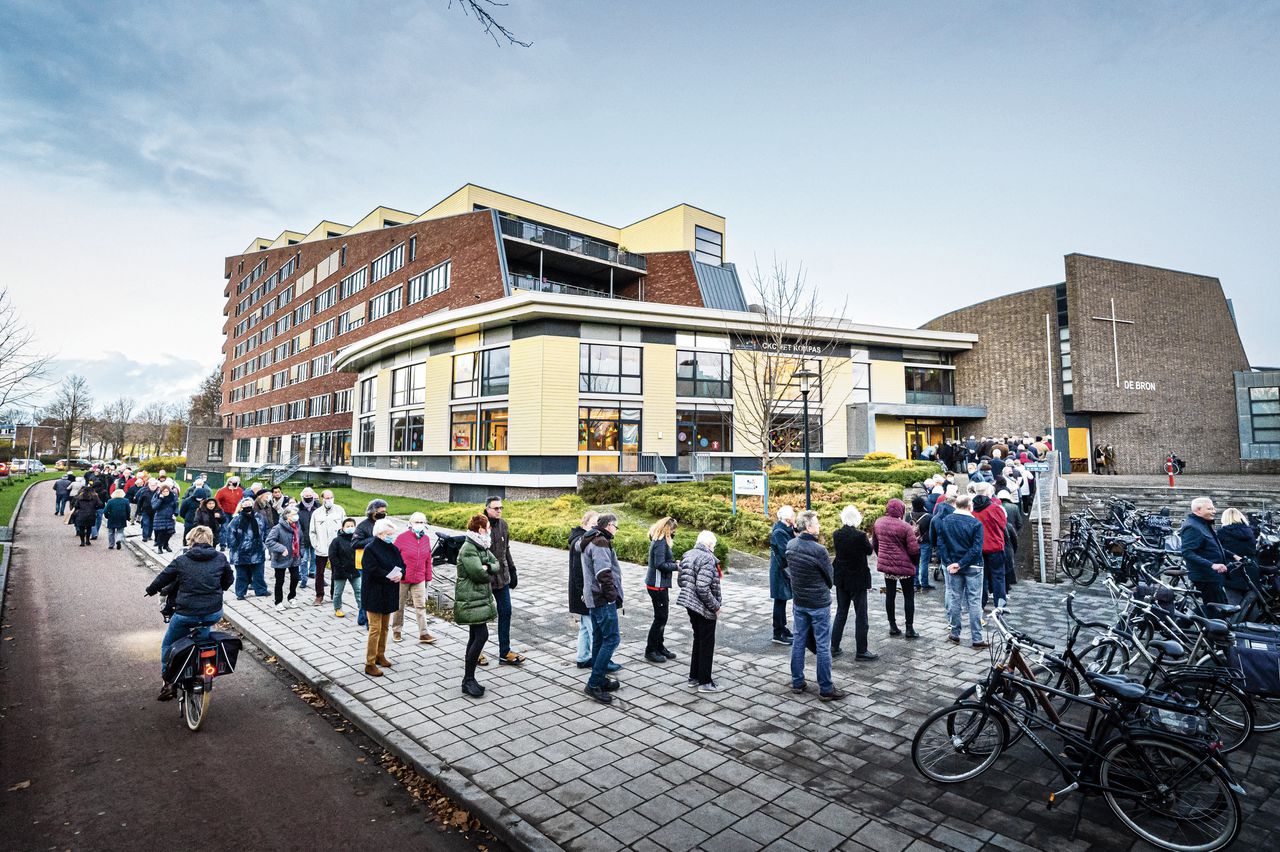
541, 285
566, 241
930, 398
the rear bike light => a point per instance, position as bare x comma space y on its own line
210, 670
212, 652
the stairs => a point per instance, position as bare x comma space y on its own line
1152, 498
273, 472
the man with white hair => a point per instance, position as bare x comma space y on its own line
812, 578
1202, 552
322, 529
779, 584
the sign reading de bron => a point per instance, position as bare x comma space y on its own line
1131, 384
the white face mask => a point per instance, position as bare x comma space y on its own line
328, 503
417, 527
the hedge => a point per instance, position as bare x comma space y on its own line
166, 463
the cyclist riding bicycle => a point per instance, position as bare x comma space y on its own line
194, 583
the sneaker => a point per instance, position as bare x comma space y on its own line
836, 652
955, 639
912, 634
293, 603
668, 654
780, 640
693, 681
654, 657
613, 667
166, 693
978, 646
427, 639
598, 694
709, 687
787, 634
833, 695
894, 631
337, 613
280, 607
584, 664
867, 656
804, 687
395, 636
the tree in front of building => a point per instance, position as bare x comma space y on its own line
206, 404
22, 368
71, 409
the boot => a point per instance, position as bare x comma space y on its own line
893, 627
384, 662
472, 688
373, 671
911, 632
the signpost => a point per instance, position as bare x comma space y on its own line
1037, 469
751, 483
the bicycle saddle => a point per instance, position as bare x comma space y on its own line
1174, 572
1120, 687
1170, 649
1220, 610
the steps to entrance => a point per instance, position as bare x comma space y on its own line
1235, 491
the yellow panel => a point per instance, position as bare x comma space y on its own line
466, 199
559, 396
376, 218
382, 424
285, 237
888, 382
524, 436
306, 281
439, 376
659, 399
463, 342
670, 230
891, 436
1078, 442
836, 394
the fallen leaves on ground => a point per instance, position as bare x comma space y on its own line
21, 785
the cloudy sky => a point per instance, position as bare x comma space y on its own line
915, 157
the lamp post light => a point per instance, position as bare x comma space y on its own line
805, 376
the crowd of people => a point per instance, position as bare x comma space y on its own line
975, 454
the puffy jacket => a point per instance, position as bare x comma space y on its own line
472, 592
1201, 550
85, 509
601, 573
202, 574
779, 584
116, 513
211, 519
662, 564
246, 539
895, 541
994, 519
164, 509
229, 499
700, 582
324, 527
809, 568
63, 487
377, 593
284, 543
342, 558
1239, 540
851, 573
576, 605
416, 553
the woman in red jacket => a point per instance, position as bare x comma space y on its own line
414, 545
897, 551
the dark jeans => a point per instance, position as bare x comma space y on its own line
605, 640
993, 577
251, 573
908, 599
704, 645
502, 597
475, 644
293, 583
146, 521
322, 562
1211, 592
59, 504
779, 617
859, 602
180, 625
97, 522
661, 606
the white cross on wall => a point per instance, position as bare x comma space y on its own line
1115, 338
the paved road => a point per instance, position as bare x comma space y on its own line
106, 762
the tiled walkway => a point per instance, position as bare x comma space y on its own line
749, 768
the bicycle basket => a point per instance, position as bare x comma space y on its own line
1256, 653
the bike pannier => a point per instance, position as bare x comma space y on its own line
1256, 654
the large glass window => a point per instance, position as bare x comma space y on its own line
406, 432
486, 373
366, 434
1264, 408
387, 264
215, 450
786, 432
861, 382
368, 395
608, 440
708, 245
434, 280
462, 429
387, 303
603, 368
342, 446
708, 374
930, 386
352, 284
408, 385
704, 430
243, 448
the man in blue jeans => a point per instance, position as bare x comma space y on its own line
809, 570
958, 537
504, 580
602, 593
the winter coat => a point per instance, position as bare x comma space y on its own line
576, 606
229, 499
342, 558
852, 575
993, 518
305, 512
213, 520
472, 592
116, 513
284, 543
324, 527
165, 508
364, 533
779, 584
85, 510
202, 574
700, 582
1201, 550
500, 535
662, 564
143, 500
174, 488
1239, 540
246, 539
187, 509
416, 553
377, 593
63, 487
958, 538
896, 544
809, 569
601, 573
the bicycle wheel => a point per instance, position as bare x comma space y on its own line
195, 706
959, 742
1266, 713
1013, 693
1169, 796
1230, 711
1109, 656
1058, 676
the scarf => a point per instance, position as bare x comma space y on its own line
482, 541
296, 538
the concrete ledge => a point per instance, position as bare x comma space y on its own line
8, 547
501, 820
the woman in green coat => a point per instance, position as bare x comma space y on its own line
473, 602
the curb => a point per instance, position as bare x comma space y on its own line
8, 546
497, 817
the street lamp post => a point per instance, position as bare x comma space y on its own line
805, 375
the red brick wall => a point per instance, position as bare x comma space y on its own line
671, 280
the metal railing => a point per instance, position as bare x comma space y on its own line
653, 463
930, 398
541, 285
565, 241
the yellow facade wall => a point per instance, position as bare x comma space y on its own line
466, 199
381, 424
836, 393
888, 382
659, 417
891, 436
559, 395
439, 376
524, 435
670, 230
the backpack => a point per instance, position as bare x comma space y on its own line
446, 548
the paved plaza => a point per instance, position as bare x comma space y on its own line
668, 768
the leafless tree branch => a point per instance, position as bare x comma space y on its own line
476, 9
21, 367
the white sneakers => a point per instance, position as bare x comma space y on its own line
280, 607
293, 603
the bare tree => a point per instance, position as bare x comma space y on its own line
21, 367
767, 398
116, 418
155, 422
207, 402
478, 10
70, 409
175, 435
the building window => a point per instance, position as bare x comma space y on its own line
708, 245
708, 374
387, 264
323, 333
429, 283
608, 440
786, 433
603, 368
320, 405
342, 402
930, 386
406, 432
341, 446
298, 410
327, 299
478, 438
387, 303
273, 450
408, 385
243, 447
486, 373
861, 382
302, 313
368, 395
366, 434
351, 320
353, 283
1264, 409
462, 429
703, 430
215, 450
321, 365
413, 248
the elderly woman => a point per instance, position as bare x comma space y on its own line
700, 594
164, 505
473, 602
897, 551
84, 511
284, 543
382, 567
414, 545
853, 581
116, 514
1239, 541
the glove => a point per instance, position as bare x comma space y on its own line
514, 579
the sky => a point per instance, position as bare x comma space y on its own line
911, 157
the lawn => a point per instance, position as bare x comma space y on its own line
11, 489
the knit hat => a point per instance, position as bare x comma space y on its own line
1004, 495
246, 503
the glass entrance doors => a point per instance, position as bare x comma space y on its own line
924, 432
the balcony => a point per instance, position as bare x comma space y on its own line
542, 285
930, 398
565, 241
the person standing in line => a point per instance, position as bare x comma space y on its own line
779, 583
414, 545
1099, 460
116, 513
210, 515
897, 558
602, 593
657, 580
959, 540
576, 605
994, 520
382, 570
62, 493
164, 506
306, 505
229, 496
284, 543
326, 521
473, 604
342, 561
374, 512
1109, 454
853, 581
266, 509
920, 517
1203, 553
700, 594
504, 581
1238, 540
146, 509
246, 543
100, 482
83, 513
809, 567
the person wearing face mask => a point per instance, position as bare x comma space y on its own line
284, 543
383, 568
374, 512
414, 545
164, 505
307, 503
473, 602
342, 561
146, 512
246, 538
326, 521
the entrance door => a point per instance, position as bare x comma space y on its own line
684, 444
1078, 445
922, 433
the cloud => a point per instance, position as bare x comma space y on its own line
168, 380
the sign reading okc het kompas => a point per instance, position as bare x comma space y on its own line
811, 349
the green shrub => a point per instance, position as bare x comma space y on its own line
881, 456
166, 463
599, 490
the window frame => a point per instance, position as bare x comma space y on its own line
591, 382
692, 381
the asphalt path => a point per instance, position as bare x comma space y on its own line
90, 760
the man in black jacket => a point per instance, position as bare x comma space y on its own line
809, 569
504, 579
576, 605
